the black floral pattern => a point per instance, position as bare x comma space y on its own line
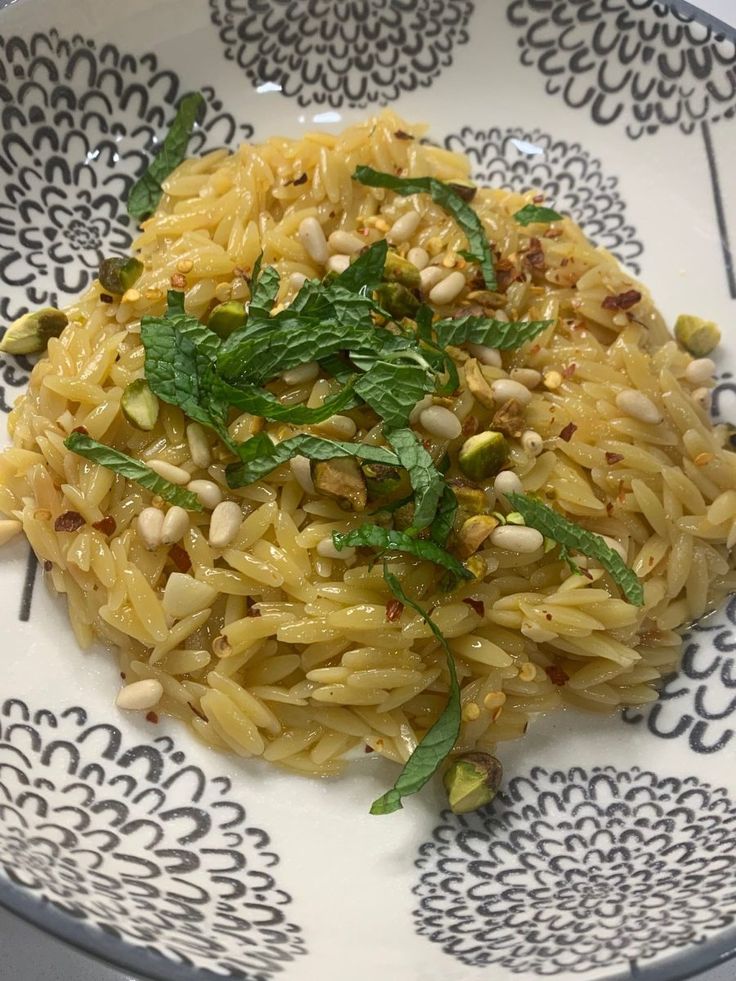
333, 54
574, 871
572, 180
78, 123
136, 841
633, 61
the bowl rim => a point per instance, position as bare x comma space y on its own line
684, 965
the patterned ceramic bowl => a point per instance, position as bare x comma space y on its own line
610, 854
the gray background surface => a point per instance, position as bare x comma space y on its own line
26, 954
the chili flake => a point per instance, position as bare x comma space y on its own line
69, 521
622, 301
568, 432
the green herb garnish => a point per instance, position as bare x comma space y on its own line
426, 480
373, 536
445, 518
486, 330
260, 455
146, 192
571, 536
446, 197
392, 389
532, 213
131, 469
438, 742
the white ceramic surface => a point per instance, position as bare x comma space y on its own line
609, 856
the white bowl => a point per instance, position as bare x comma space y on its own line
610, 853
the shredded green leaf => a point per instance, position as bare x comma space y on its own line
260, 455
146, 192
447, 198
426, 480
439, 741
532, 213
392, 389
260, 402
486, 330
131, 469
445, 518
571, 536
264, 290
386, 540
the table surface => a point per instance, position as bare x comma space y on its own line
27, 954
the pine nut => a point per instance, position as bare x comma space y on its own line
486, 355
507, 482
326, 548
440, 422
699, 371
449, 289
422, 404
430, 276
529, 377
404, 227
338, 427
313, 239
517, 538
638, 406
9, 529
297, 280
199, 445
302, 374
338, 263
704, 398
505, 389
140, 695
175, 526
531, 442
301, 468
346, 242
207, 491
175, 475
418, 257
225, 524
150, 527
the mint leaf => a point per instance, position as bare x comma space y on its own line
372, 536
426, 480
259, 455
532, 213
260, 402
131, 469
392, 390
447, 198
146, 193
366, 272
444, 520
571, 536
438, 742
264, 287
488, 331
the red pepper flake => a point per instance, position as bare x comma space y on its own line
547, 616
427, 444
534, 256
107, 525
123, 675
151, 717
179, 281
556, 675
81, 429
301, 179
368, 749
568, 432
569, 370
401, 135
622, 301
106, 298
538, 198
609, 508
394, 609
48, 565
612, 458
477, 606
180, 557
69, 521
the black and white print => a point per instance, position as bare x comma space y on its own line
139, 843
79, 122
639, 64
571, 871
571, 179
333, 54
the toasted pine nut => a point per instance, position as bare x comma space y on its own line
140, 695
176, 475
150, 527
225, 524
175, 525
